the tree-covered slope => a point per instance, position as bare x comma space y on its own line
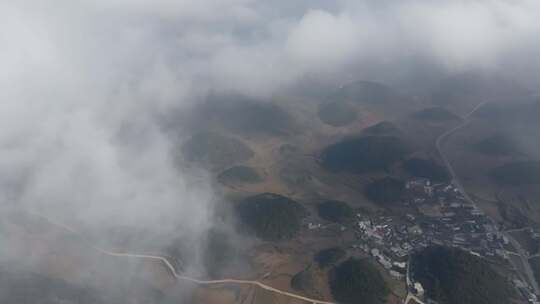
385, 190
271, 216
427, 169
329, 256
335, 211
453, 276
358, 281
239, 174
363, 154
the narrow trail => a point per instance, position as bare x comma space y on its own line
171, 268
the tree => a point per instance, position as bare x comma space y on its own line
358, 281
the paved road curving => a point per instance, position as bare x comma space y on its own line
171, 268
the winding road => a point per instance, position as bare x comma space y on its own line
439, 142
171, 268
457, 183
164, 261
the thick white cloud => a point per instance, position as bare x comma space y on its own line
259, 46
457, 35
323, 39
73, 86
465, 34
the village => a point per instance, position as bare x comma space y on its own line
437, 214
